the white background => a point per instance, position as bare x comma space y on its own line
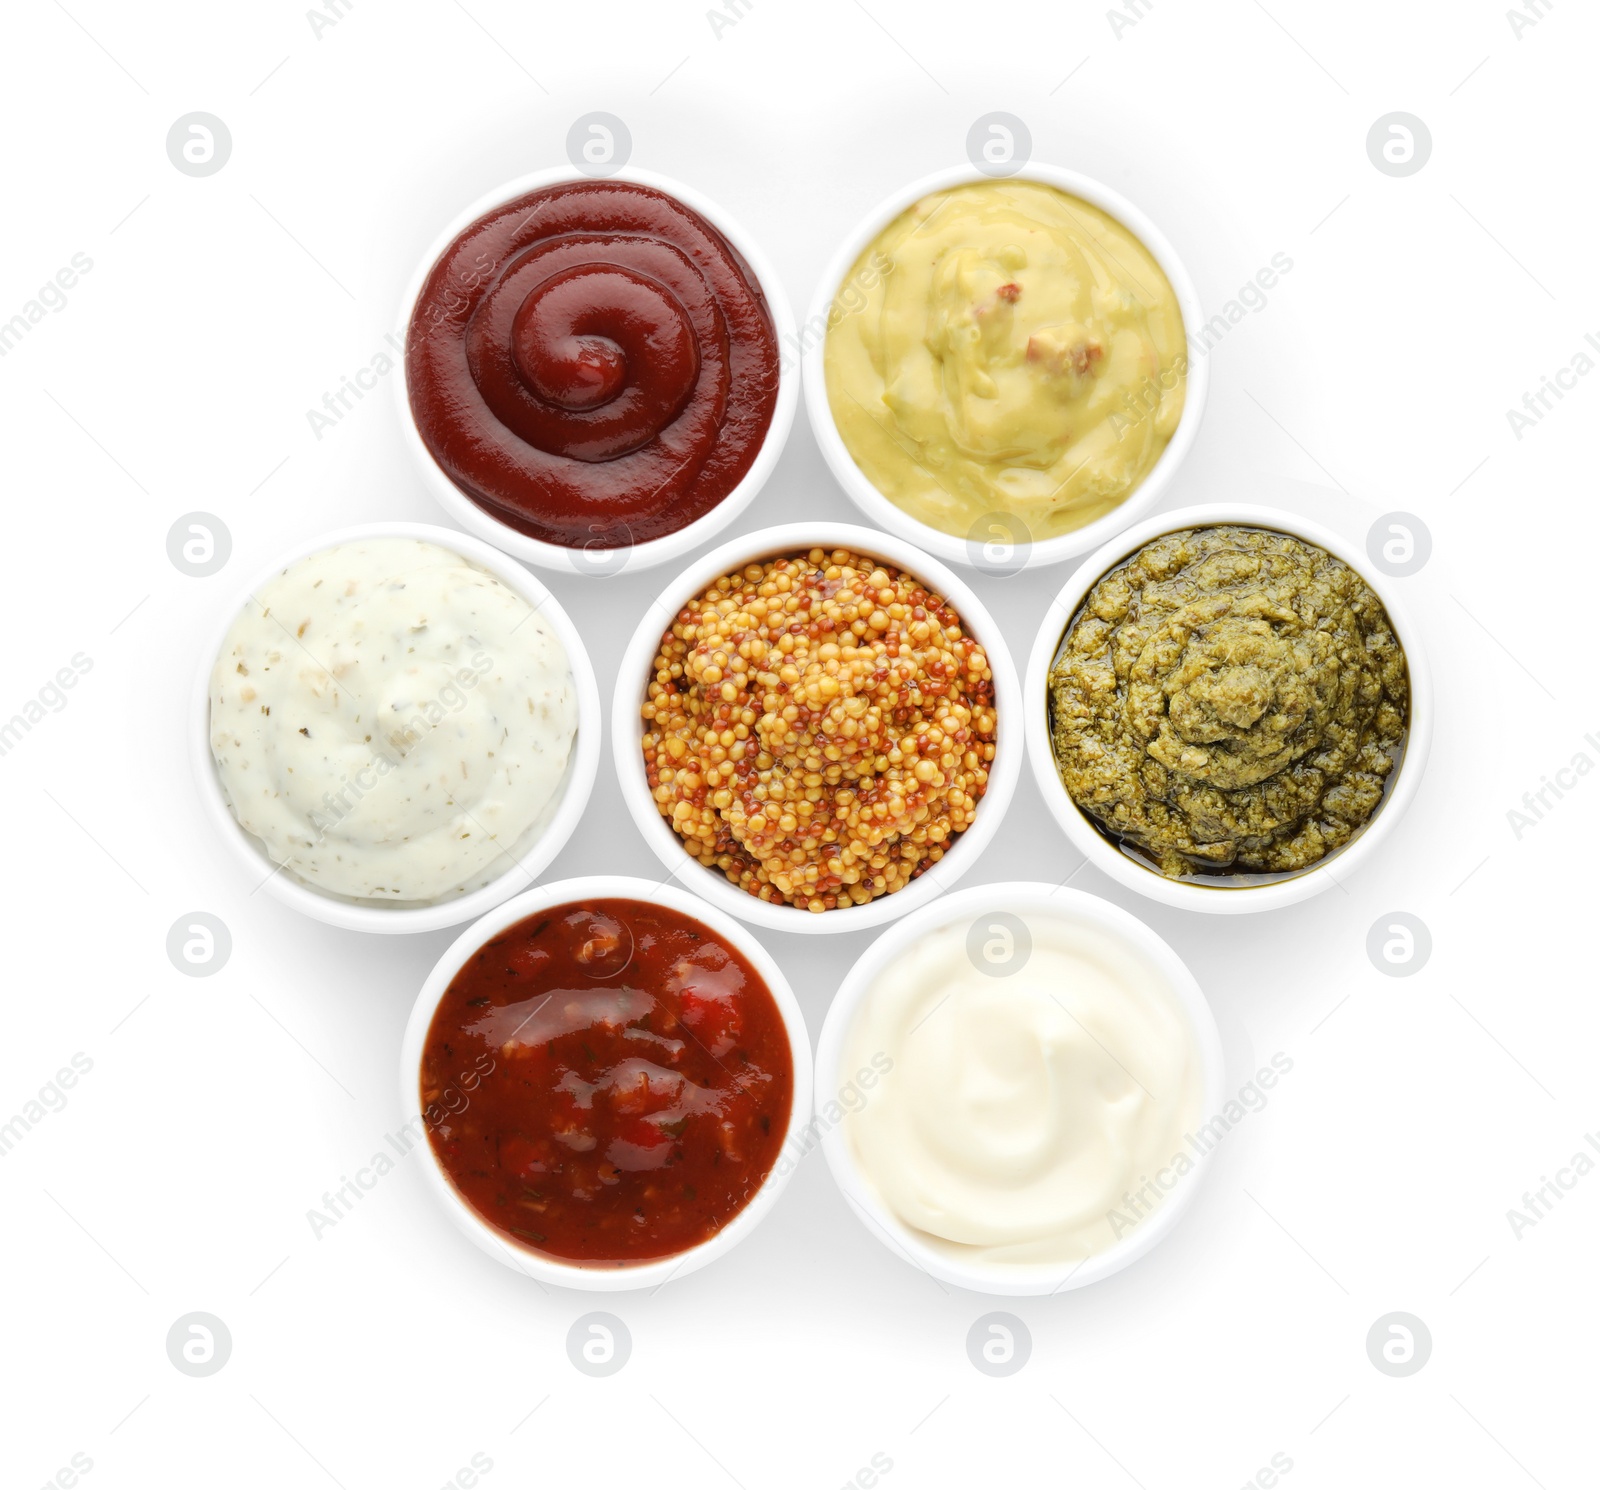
177, 377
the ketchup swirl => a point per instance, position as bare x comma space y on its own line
593, 364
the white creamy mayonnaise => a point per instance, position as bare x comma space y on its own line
391, 721
1035, 1112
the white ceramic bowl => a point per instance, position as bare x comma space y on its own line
609, 561
540, 846
968, 905
562, 892
960, 550
1220, 899
636, 670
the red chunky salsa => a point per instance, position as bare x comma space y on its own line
640, 1087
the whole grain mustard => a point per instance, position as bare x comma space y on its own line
819, 728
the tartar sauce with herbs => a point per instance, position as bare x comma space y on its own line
391, 721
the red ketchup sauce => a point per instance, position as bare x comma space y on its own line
637, 1089
593, 364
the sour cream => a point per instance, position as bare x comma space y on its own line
391, 721
1044, 1079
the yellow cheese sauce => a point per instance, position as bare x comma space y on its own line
1017, 351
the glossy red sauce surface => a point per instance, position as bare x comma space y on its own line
593, 364
638, 1085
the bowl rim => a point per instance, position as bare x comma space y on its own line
1239, 899
877, 507
582, 766
1045, 899
482, 523
634, 672
552, 1270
